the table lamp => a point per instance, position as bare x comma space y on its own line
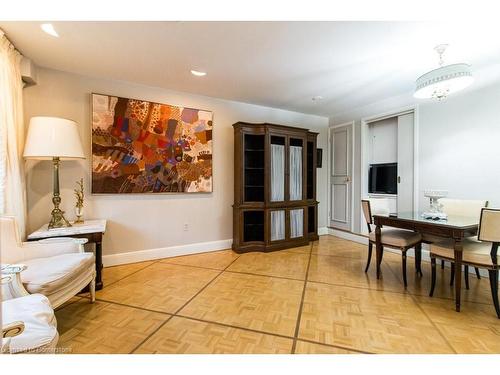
53, 138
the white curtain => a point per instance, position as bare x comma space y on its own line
277, 173
295, 173
277, 225
296, 223
12, 183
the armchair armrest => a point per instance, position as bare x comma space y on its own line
12, 286
12, 329
8, 331
50, 247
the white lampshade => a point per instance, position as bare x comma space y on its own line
50, 137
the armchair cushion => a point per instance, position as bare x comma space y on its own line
39, 321
48, 275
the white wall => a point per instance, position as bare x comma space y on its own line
459, 144
138, 222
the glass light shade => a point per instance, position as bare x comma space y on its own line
440, 82
50, 137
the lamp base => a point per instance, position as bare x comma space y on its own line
58, 220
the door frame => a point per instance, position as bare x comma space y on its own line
365, 121
329, 168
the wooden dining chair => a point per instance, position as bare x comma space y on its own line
457, 207
480, 252
398, 239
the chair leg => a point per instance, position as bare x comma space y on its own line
370, 248
466, 276
433, 282
418, 259
404, 268
92, 290
442, 264
478, 275
452, 278
494, 289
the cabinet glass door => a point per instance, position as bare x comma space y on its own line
297, 223
296, 178
277, 169
277, 225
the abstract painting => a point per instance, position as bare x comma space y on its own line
145, 147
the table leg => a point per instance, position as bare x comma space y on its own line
98, 265
378, 247
458, 272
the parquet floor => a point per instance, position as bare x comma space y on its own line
310, 300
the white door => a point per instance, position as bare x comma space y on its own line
405, 162
340, 178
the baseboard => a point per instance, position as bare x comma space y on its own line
322, 231
351, 236
165, 252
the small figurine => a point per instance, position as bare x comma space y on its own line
79, 202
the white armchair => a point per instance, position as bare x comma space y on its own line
28, 325
58, 268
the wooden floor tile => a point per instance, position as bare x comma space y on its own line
300, 249
475, 329
334, 246
104, 327
278, 263
367, 320
349, 271
216, 260
161, 287
304, 347
256, 302
115, 273
184, 336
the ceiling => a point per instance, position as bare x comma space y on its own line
276, 64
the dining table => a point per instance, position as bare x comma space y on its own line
455, 228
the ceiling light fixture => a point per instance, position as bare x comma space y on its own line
197, 73
49, 29
445, 80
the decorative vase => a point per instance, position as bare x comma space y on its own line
79, 214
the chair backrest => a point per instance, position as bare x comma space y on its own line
374, 206
11, 250
463, 207
489, 225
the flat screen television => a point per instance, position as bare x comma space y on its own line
383, 178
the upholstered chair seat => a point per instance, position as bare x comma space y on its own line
49, 275
397, 237
35, 314
474, 252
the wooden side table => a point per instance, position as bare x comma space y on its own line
92, 230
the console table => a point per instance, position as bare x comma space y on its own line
92, 230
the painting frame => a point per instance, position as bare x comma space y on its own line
149, 193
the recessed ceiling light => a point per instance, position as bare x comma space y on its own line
317, 98
49, 29
197, 73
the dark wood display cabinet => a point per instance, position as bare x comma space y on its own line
275, 203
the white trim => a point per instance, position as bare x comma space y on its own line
165, 252
330, 127
348, 236
322, 231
